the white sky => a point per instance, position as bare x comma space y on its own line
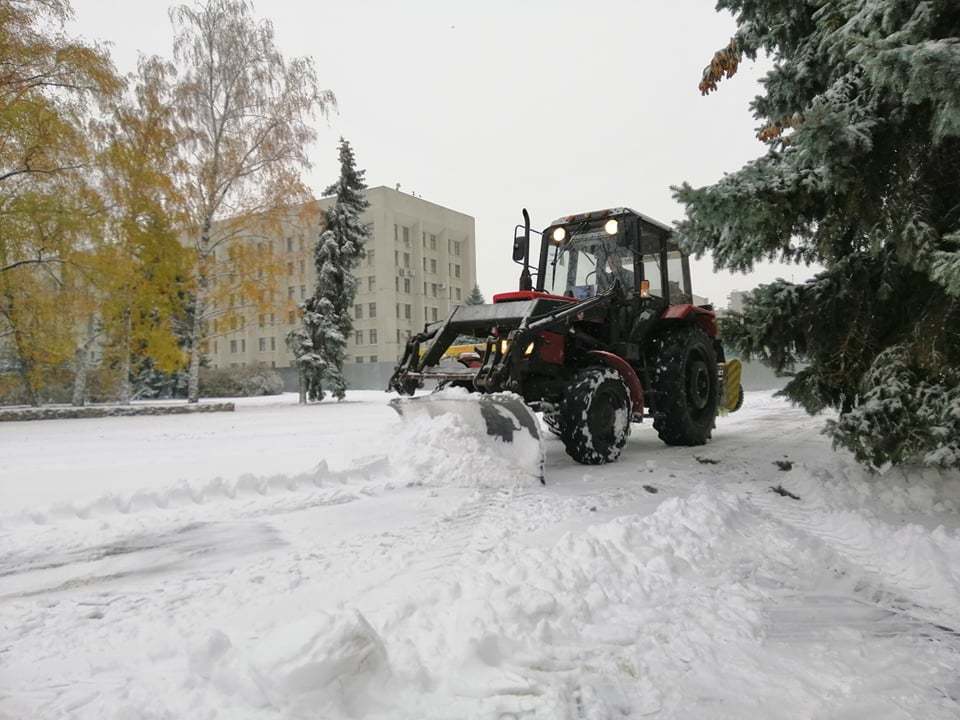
558, 106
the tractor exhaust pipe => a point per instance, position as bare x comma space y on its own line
526, 283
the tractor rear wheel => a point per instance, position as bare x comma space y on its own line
685, 383
595, 416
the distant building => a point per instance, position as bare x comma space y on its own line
735, 301
420, 262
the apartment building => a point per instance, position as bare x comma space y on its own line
420, 262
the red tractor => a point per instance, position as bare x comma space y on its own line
603, 331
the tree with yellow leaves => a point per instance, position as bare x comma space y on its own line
48, 82
247, 112
140, 268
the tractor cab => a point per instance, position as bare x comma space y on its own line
586, 254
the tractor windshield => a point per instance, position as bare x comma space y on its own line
582, 268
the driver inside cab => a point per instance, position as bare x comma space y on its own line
611, 271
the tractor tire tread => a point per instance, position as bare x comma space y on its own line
582, 445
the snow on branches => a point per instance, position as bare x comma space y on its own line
320, 343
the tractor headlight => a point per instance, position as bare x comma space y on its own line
528, 350
504, 345
611, 227
559, 235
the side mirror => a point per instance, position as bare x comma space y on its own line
521, 242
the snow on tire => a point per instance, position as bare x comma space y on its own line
595, 416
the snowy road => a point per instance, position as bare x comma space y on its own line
328, 562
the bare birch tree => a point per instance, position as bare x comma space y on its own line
248, 112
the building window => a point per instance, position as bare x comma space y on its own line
425, 313
398, 335
373, 358
233, 323
456, 270
424, 235
406, 260
289, 269
243, 346
372, 310
303, 291
396, 282
373, 337
291, 317
406, 236
263, 344
358, 359
303, 267
273, 343
271, 318
456, 248
289, 244
290, 290
433, 266
262, 320
370, 257
406, 285
216, 348
358, 338
424, 288
458, 293
406, 311
433, 314
424, 264
301, 245
398, 310
358, 312
433, 289
396, 258
396, 233
372, 283
433, 242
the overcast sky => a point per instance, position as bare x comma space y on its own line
489, 107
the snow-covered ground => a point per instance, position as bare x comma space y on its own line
331, 561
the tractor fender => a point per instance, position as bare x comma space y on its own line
705, 318
628, 374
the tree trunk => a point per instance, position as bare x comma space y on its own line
196, 329
301, 384
81, 363
80, 376
125, 389
32, 396
193, 380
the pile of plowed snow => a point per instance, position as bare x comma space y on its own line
454, 448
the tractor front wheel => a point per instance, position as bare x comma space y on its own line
685, 383
595, 416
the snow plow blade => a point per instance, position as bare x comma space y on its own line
503, 418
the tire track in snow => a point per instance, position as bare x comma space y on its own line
904, 568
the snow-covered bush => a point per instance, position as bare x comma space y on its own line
240, 382
903, 415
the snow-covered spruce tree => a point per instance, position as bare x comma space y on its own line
475, 297
319, 345
861, 113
